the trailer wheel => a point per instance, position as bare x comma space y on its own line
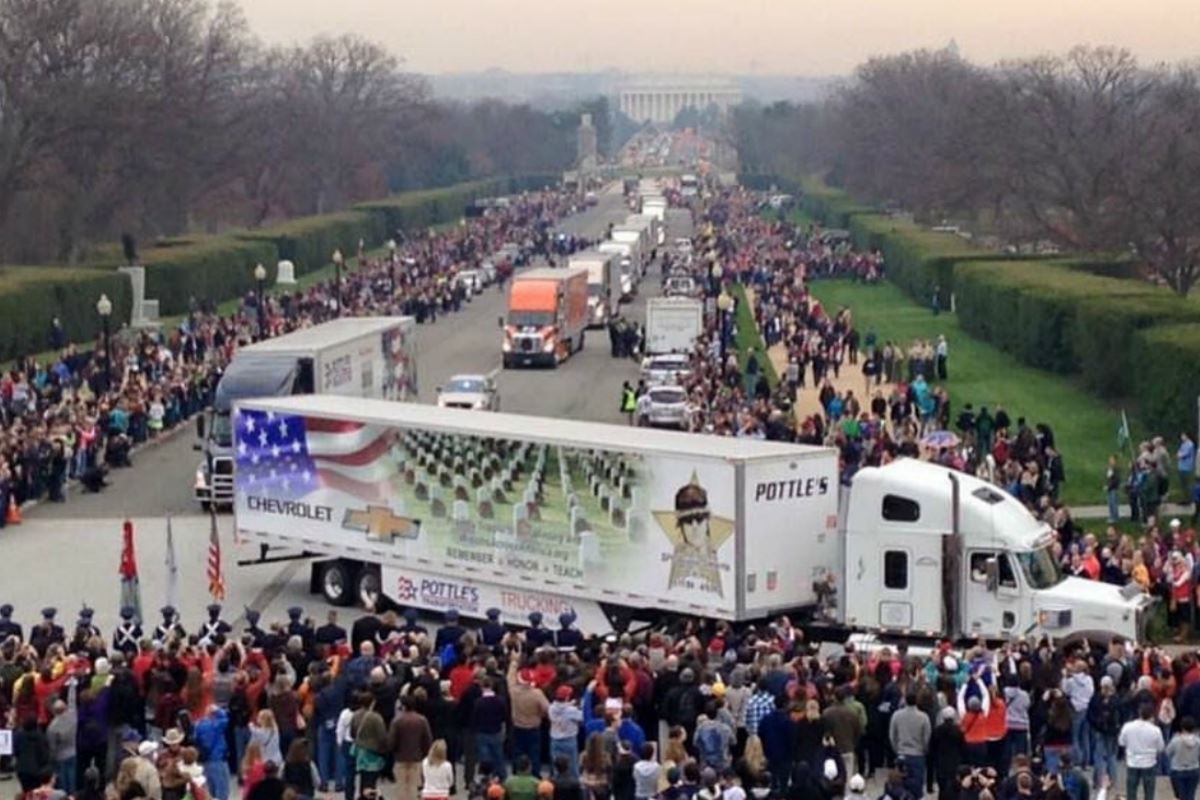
582, 335
337, 583
367, 588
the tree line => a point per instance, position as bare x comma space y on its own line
157, 117
1089, 150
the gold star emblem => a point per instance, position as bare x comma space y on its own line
694, 565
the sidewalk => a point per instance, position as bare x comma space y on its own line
1165, 512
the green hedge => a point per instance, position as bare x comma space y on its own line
309, 242
30, 297
1168, 381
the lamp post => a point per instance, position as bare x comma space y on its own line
392, 266
724, 305
337, 281
104, 309
260, 275
715, 275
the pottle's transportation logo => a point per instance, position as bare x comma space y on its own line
791, 489
437, 593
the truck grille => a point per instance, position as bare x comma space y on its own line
527, 344
222, 478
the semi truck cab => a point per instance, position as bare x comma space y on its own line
930, 552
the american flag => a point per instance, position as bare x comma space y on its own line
216, 577
287, 456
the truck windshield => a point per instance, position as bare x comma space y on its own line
1040, 568
535, 319
222, 429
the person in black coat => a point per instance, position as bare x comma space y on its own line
31, 755
946, 749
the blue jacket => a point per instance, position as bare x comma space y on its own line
777, 733
209, 734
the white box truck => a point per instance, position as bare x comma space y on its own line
638, 237
349, 357
673, 324
604, 285
626, 256
655, 206
657, 229
446, 508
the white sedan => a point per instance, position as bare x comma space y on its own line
476, 392
665, 406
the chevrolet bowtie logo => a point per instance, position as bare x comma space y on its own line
380, 524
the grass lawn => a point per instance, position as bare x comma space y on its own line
1084, 427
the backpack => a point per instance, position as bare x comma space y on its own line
710, 746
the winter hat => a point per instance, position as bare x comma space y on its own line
831, 770
857, 784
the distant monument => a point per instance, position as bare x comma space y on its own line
585, 144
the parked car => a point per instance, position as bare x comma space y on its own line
667, 407
666, 368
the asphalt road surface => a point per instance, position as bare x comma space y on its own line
72, 550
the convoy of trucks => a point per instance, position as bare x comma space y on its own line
624, 253
547, 315
673, 324
603, 283
448, 508
372, 357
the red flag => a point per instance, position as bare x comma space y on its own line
129, 570
216, 577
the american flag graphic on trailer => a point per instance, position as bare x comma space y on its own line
287, 457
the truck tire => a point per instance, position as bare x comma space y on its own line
582, 335
337, 582
367, 587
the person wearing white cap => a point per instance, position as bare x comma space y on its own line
856, 786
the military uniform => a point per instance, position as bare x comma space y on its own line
85, 630
214, 630
258, 637
567, 639
492, 632
330, 634
169, 627
298, 627
537, 636
46, 633
128, 633
449, 634
412, 628
7, 626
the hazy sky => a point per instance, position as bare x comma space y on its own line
804, 37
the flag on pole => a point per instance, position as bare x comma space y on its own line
172, 569
216, 576
1123, 437
131, 592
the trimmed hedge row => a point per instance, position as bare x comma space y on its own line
1168, 382
221, 267
1073, 314
30, 297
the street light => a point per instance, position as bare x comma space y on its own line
715, 274
104, 309
337, 281
260, 275
724, 306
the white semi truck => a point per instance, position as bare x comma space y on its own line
626, 254
604, 285
445, 508
349, 357
641, 237
673, 324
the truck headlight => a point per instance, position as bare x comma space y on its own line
201, 478
506, 346
548, 346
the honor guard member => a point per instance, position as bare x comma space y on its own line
214, 630
169, 628
7, 626
46, 632
258, 637
127, 633
331, 633
364, 630
298, 627
412, 627
449, 634
492, 632
567, 639
85, 630
537, 636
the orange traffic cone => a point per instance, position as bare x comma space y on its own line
14, 512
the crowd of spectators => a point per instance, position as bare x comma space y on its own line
697, 709
74, 416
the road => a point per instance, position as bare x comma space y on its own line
79, 541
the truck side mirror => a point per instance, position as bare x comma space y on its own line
993, 574
200, 425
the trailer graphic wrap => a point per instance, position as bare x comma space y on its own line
648, 530
400, 364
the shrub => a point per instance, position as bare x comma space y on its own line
1168, 384
31, 296
212, 268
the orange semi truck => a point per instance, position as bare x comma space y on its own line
547, 315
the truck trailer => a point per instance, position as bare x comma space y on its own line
350, 357
673, 324
547, 315
604, 285
445, 508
